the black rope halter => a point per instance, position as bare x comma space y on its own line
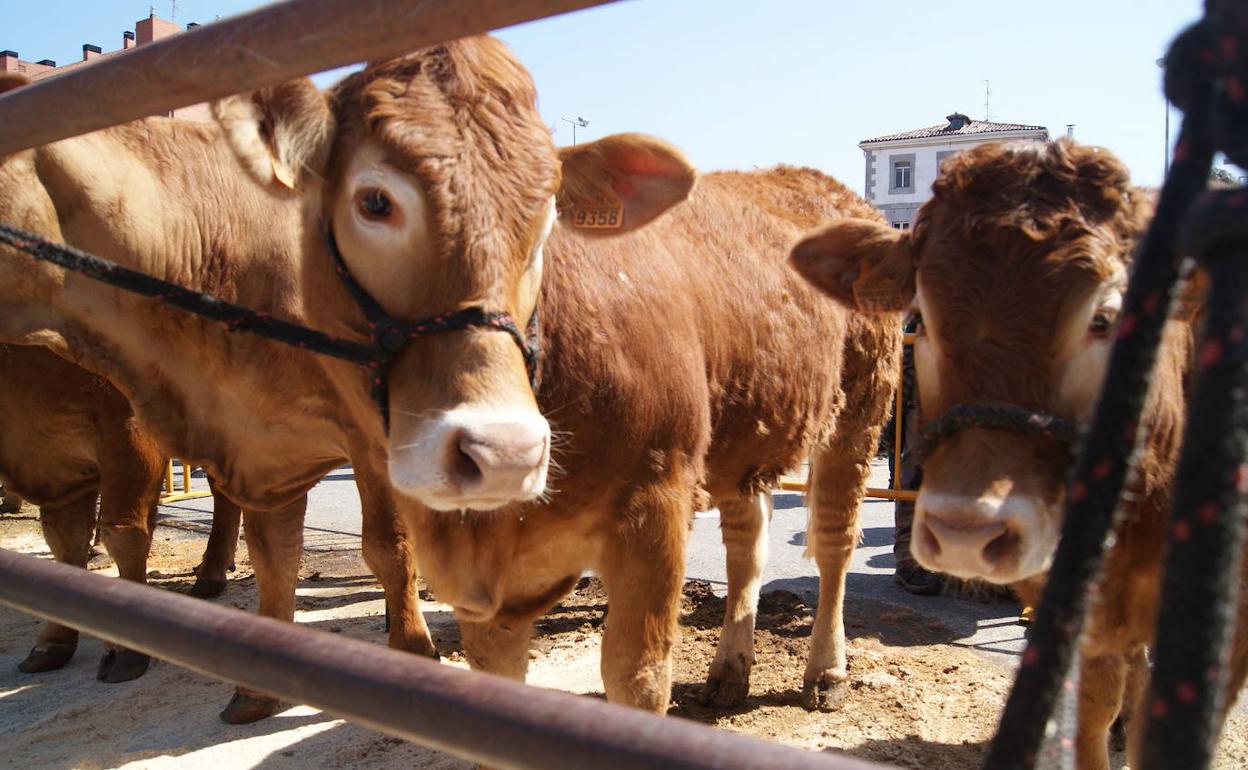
959, 417
389, 335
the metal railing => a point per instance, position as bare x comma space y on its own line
478, 716
174, 494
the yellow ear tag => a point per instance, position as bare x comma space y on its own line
598, 217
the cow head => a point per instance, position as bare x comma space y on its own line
1016, 269
440, 184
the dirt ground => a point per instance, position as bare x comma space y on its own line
916, 700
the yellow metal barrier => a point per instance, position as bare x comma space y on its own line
895, 492
172, 495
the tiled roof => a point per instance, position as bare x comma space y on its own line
971, 127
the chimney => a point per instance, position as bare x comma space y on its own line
127, 40
90, 52
8, 61
153, 28
957, 121
192, 25
46, 62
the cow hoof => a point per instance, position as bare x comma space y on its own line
1118, 736
207, 588
48, 657
723, 693
244, 709
122, 666
824, 696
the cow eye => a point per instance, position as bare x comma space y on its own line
915, 324
1102, 322
374, 204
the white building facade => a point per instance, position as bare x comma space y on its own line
901, 167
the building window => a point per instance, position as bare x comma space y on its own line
901, 174
901, 225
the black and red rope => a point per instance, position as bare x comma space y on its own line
1205, 76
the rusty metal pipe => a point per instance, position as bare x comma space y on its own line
477, 716
269, 45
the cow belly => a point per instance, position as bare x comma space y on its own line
46, 457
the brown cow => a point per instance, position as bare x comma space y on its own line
168, 198
1018, 265
67, 437
684, 362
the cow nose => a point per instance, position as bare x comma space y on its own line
501, 461
980, 538
983, 551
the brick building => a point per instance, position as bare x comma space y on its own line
145, 31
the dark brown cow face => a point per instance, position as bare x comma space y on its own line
440, 183
1017, 268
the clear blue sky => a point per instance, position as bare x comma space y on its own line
742, 83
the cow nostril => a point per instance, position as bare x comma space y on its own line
1002, 548
928, 539
465, 468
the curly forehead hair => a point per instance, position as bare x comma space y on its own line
463, 118
1044, 190
412, 98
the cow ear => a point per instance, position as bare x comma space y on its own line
11, 80
280, 134
621, 182
866, 266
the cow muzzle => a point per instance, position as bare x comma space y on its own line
473, 459
999, 540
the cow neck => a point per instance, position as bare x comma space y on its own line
391, 335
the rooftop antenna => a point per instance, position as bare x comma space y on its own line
987, 101
173, 9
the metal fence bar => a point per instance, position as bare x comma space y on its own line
266, 46
173, 495
484, 718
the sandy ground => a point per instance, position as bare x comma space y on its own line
916, 700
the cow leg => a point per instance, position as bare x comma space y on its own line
496, 649
274, 543
128, 499
1132, 694
838, 479
210, 575
643, 571
388, 554
9, 502
67, 529
1101, 682
743, 525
